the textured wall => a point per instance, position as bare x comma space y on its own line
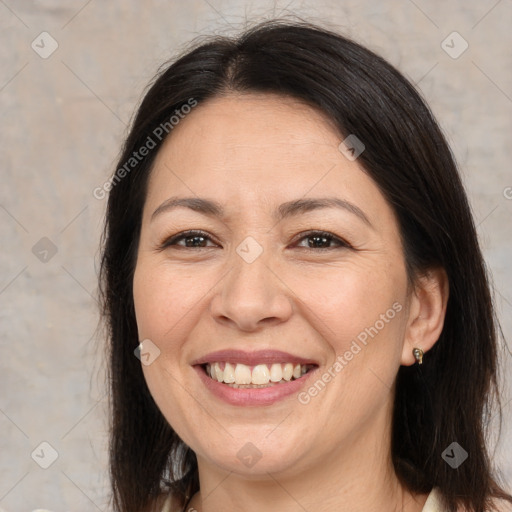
63, 117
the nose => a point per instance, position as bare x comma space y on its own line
251, 295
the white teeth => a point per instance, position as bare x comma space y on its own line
229, 373
242, 374
219, 374
276, 372
261, 375
288, 371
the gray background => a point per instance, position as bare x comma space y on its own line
62, 121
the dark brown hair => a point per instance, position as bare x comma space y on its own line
409, 159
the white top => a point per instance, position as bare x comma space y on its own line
432, 504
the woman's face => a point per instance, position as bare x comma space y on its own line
259, 292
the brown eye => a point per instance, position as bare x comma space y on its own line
322, 239
192, 239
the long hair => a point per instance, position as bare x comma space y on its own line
409, 159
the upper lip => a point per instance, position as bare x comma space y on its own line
252, 358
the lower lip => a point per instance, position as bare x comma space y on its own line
252, 396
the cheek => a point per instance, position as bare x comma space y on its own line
164, 313
355, 301
360, 315
162, 300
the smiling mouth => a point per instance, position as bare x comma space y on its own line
238, 375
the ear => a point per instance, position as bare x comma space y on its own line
427, 309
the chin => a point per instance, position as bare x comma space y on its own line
258, 457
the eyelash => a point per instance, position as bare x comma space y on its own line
308, 234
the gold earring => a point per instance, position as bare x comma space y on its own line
418, 355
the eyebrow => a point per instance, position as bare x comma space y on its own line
289, 209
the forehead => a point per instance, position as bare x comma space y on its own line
258, 150
243, 123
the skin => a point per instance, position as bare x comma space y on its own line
251, 153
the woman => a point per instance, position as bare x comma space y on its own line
290, 254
